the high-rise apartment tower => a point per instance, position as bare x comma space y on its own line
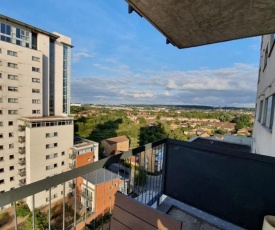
36, 131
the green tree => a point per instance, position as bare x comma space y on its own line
140, 177
40, 220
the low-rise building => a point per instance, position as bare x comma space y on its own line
115, 145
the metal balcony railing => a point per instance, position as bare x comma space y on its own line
123, 175
22, 161
21, 150
72, 156
22, 182
71, 185
22, 172
71, 166
89, 196
21, 128
21, 139
222, 182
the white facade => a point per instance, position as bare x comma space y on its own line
35, 129
264, 128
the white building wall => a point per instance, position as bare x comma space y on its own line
263, 137
36, 152
24, 105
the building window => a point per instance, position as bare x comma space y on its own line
10, 123
36, 101
37, 80
1, 100
12, 65
35, 111
63, 153
265, 57
0, 75
11, 178
269, 112
36, 90
1, 112
12, 100
54, 134
1, 159
12, 88
1, 123
12, 77
62, 163
2, 181
35, 69
1, 135
11, 168
11, 134
48, 146
35, 58
12, 112
52, 166
11, 146
1, 88
12, 53
11, 157
260, 111
51, 156
1, 147
0, 62
2, 170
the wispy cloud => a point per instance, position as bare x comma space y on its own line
232, 86
76, 56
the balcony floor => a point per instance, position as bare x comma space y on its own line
193, 218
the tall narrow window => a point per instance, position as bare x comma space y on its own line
260, 111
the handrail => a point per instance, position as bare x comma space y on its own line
27, 190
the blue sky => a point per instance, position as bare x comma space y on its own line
120, 58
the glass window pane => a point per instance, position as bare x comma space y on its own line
8, 29
3, 28
18, 33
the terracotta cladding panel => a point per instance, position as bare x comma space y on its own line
84, 159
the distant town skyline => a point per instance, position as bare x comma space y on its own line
122, 59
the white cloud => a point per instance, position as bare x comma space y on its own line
76, 56
230, 86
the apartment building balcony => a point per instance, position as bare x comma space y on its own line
71, 165
71, 185
22, 172
203, 185
21, 139
21, 128
88, 196
22, 182
72, 156
21, 150
22, 161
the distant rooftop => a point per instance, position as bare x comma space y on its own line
101, 175
222, 144
115, 140
81, 142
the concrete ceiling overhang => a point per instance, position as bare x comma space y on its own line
189, 23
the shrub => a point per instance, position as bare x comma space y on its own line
4, 218
22, 210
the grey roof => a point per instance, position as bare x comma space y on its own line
222, 144
100, 176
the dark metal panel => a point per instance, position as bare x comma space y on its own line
237, 188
